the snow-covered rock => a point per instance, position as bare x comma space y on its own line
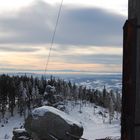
50, 89
20, 134
46, 121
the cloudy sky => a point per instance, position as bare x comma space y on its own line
88, 37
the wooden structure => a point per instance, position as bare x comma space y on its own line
131, 74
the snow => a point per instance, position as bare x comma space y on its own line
45, 93
45, 103
23, 137
20, 130
41, 111
51, 88
13, 122
94, 128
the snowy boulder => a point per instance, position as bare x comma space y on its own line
20, 134
50, 89
48, 123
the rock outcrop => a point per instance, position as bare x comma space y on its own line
48, 123
20, 134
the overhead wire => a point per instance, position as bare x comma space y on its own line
53, 37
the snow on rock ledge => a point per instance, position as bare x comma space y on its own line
20, 134
46, 121
41, 111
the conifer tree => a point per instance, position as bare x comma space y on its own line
111, 110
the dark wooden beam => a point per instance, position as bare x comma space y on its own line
131, 74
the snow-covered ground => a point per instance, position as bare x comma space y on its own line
89, 118
94, 128
13, 122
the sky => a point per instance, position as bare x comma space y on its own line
88, 39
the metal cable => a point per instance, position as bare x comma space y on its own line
53, 37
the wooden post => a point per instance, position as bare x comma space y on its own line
131, 74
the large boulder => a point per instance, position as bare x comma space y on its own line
48, 123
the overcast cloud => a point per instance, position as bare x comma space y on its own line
30, 29
77, 26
